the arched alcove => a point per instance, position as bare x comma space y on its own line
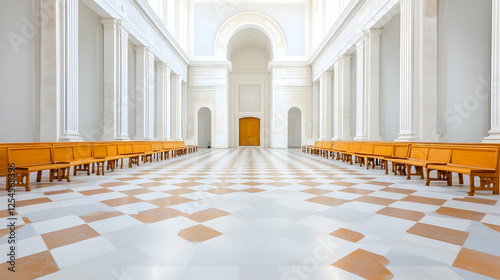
250, 20
204, 128
294, 128
249, 50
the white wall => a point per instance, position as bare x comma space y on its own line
389, 79
249, 59
464, 34
90, 73
294, 128
204, 127
208, 17
18, 64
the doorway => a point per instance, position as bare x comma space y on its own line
204, 128
294, 128
249, 132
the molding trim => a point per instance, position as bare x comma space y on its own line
236, 22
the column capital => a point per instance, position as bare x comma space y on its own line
109, 23
361, 41
373, 32
141, 48
123, 30
161, 64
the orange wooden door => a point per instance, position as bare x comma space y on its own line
249, 132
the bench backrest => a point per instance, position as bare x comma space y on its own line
354, 147
418, 152
439, 154
29, 156
344, 146
99, 150
63, 153
124, 149
112, 150
383, 150
401, 151
82, 151
480, 157
317, 144
366, 148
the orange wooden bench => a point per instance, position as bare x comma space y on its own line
35, 159
423, 155
78, 155
481, 162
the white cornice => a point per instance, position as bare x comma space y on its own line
162, 30
339, 25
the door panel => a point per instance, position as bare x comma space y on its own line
249, 132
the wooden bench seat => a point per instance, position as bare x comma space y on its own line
35, 159
416, 155
481, 162
349, 154
366, 149
400, 152
379, 156
126, 150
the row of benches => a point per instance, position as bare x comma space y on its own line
21, 159
474, 160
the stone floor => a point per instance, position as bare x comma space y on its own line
251, 214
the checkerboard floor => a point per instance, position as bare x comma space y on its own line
251, 213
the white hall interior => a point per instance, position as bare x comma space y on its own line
404, 70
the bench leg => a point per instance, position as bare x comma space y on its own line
39, 176
427, 181
27, 186
460, 178
408, 172
471, 186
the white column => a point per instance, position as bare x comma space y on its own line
342, 97
427, 77
168, 104
494, 133
70, 71
161, 101
361, 133
150, 94
418, 80
173, 106
336, 109
325, 106
143, 94
316, 111
184, 119
406, 118
372, 85
122, 97
178, 107
115, 125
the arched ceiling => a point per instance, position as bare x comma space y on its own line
249, 38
